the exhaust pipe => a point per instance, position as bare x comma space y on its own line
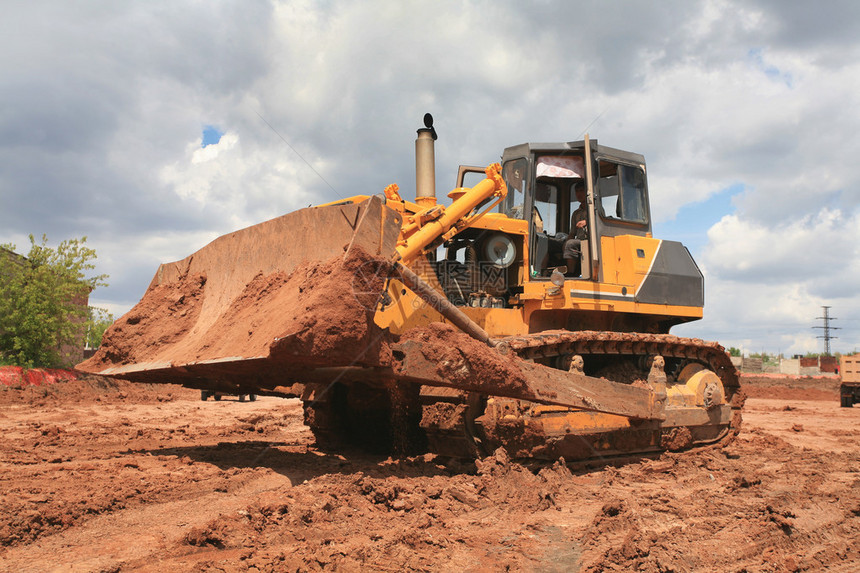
425, 164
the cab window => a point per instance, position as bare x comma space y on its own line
546, 208
621, 192
514, 174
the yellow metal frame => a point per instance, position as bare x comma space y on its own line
428, 224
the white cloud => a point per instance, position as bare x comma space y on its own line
238, 185
765, 286
203, 154
105, 103
811, 250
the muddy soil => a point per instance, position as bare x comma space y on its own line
99, 475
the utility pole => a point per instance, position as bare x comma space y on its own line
827, 328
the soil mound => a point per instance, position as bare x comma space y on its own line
316, 315
785, 387
90, 388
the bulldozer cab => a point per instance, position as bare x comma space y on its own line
542, 179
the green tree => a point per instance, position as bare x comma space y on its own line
734, 351
98, 322
42, 308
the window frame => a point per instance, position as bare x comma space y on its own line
609, 219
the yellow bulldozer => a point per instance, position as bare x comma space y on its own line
531, 313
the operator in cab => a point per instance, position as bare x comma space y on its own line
578, 232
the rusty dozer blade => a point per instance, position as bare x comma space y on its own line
297, 290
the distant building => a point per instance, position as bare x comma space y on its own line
822, 363
808, 365
828, 363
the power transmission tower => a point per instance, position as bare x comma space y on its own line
827, 328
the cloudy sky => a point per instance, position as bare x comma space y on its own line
152, 128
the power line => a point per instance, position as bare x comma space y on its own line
298, 154
827, 328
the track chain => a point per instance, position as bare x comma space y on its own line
552, 343
549, 344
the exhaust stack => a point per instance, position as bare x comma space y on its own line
425, 164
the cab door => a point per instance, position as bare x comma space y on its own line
620, 209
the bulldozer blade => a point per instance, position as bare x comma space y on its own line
484, 371
279, 245
532, 382
540, 384
242, 307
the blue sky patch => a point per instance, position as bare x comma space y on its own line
690, 226
211, 135
756, 56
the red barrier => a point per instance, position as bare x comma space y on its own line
17, 376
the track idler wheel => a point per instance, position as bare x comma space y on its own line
697, 386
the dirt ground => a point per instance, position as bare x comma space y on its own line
107, 476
